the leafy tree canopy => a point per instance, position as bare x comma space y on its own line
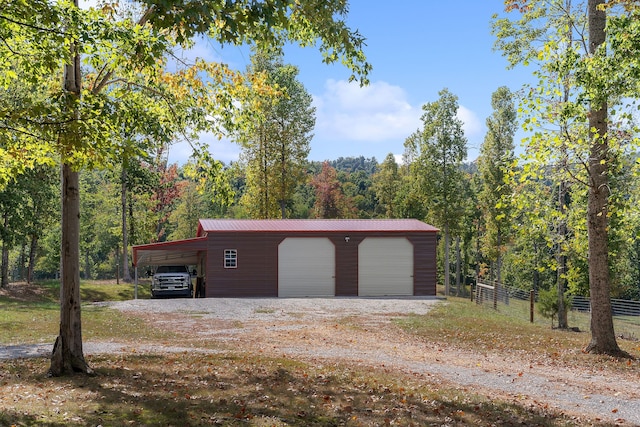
269, 24
127, 81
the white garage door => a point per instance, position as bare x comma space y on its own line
385, 266
306, 267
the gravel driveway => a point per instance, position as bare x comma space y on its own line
313, 330
310, 329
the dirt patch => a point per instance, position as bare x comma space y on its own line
24, 292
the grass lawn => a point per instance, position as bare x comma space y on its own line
481, 328
236, 387
32, 315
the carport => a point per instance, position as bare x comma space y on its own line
304, 257
187, 252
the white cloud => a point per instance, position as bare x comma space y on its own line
346, 113
205, 48
375, 113
378, 112
87, 4
224, 150
471, 123
220, 149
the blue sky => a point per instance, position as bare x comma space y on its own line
417, 48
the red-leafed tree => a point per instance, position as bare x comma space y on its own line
165, 196
330, 200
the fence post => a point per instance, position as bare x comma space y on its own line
495, 296
532, 300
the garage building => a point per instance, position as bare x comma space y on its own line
305, 258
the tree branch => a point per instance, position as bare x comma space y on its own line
4, 41
581, 162
48, 123
35, 27
97, 87
105, 80
24, 132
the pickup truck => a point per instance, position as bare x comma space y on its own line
171, 280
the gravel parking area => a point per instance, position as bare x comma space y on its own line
247, 309
244, 310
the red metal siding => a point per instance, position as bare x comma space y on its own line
424, 263
257, 271
347, 263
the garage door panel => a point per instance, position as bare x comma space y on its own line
306, 267
385, 266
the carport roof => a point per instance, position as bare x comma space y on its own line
186, 251
179, 252
312, 225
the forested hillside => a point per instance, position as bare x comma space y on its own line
164, 202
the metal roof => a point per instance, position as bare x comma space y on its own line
312, 225
178, 252
186, 251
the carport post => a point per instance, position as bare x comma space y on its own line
135, 288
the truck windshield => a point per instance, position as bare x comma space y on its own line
171, 269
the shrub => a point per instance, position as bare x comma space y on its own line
548, 303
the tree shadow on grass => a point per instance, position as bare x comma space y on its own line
199, 389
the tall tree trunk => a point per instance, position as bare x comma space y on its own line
87, 264
126, 274
603, 339
67, 355
33, 248
458, 265
132, 230
264, 210
23, 256
536, 272
465, 263
561, 258
499, 258
283, 180
447, 244
4, 266
477, 251
117, 257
